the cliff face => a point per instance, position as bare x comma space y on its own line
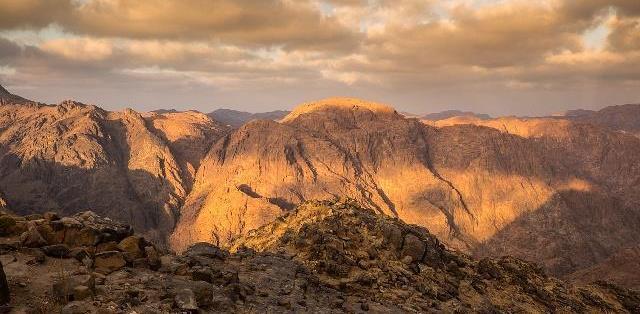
335, 147
73, 157
557, 192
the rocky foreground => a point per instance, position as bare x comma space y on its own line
323, 257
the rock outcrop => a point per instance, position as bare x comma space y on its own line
322, 257
621, 267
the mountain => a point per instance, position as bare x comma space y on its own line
560, 193
454, 113
236, 118
619, 118
188, 134
621, 268
72, 157
6, 97
322, 257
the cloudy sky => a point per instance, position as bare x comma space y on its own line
494, 56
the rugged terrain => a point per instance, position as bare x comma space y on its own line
560, 192
485, 189
72, 157
619, 118
331, 256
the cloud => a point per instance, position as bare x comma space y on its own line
444, 51
82, 49
21, 14
291, 24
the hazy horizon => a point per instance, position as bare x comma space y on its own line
500, 57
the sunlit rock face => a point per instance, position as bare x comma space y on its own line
557, 192
189, 135
72, 157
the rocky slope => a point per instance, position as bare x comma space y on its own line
621, 267
618, 118
323, 257
484, 189
236, 119
7, 97
72, 157
189, 136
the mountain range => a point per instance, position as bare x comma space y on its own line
560, 191
236, 119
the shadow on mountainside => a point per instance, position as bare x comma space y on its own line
38, 185
571, 231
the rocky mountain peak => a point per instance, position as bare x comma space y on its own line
7, 97
339, 105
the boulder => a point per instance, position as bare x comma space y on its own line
392, 235
7, 224
33, 217
5, 296
153, 258
107, 246
50, 235
56, 250
51, 216
413, 247
32, 238
132, 245
185, 300
207, 250
80, 253
80, 237
64, 287
108, 262
81, 293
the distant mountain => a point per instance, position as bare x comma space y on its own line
7, 97
454, 113
235, 118
163, 111
619, 118
623, 268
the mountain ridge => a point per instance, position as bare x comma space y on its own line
483, 188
